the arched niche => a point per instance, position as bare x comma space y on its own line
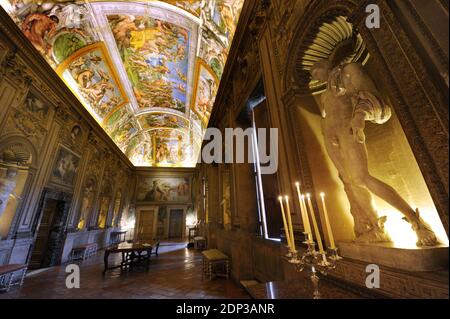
87, 202
399, 152
115, 221
104, 204
18, 162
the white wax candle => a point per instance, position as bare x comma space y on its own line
327, 222
291, 229
316, 228
307, 222
286, 229
302, 211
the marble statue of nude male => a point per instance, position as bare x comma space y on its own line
351, 99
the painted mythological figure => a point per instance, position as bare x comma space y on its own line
37, 26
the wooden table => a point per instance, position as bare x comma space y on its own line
132, 254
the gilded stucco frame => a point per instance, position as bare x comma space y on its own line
108, 61
201, 64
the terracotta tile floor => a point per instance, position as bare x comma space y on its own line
175, 274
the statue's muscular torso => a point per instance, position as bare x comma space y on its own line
338, 115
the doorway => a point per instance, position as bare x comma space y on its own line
49, 241
176, 223
146, 225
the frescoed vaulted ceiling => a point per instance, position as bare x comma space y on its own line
147, 71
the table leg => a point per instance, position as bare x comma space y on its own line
149, 253
203, 268
132, 257
210, 270
124, 261
22, 279
105, 260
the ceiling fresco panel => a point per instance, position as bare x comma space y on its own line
92, 77
121, 126
162, 120
171, 147
155, 51
140, 150
155, 59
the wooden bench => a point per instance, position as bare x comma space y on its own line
215, 264
83, 251
8, 273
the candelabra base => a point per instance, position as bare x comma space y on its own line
317, 262
315, 281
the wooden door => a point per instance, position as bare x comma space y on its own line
176, 223
146, 223
42, 239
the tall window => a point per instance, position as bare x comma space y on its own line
259, 186
269, 214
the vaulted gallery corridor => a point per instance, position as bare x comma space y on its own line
224, 149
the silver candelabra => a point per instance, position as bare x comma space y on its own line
317, 262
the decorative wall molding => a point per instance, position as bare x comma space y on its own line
394, 283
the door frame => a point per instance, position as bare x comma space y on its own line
139, 210
177, 207
59, 196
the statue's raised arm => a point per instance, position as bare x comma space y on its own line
366, 98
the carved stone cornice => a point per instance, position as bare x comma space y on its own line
14, 69
259, 18
437, 50
21, 123
62, 112
246, 72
